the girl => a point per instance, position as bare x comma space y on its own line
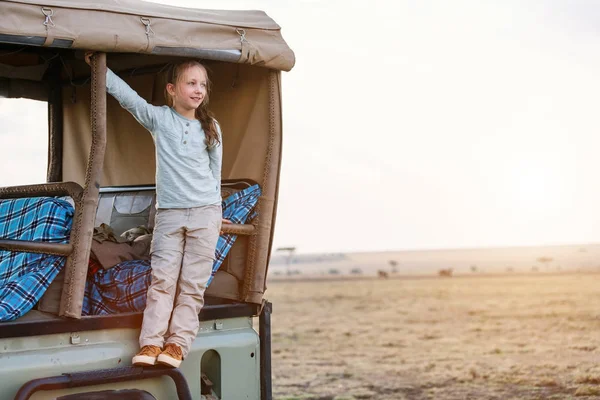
188, 218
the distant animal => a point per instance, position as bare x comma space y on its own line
445, 272
382, 274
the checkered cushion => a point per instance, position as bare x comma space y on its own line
24, 277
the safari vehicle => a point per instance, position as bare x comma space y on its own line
100, 157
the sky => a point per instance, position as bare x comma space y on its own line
419, 124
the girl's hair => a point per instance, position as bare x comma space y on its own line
206, 118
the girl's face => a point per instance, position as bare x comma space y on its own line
189, 90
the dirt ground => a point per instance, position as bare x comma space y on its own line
504, 337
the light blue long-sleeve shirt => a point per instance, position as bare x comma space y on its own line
188, 172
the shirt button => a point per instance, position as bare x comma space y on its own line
187, 124
184, 142
186, 132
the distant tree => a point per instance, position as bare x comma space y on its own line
394, 265
473, 268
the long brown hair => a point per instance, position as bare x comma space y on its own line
203, 114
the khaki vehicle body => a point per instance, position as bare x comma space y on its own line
97, 151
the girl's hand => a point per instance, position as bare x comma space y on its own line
225, 221
88, 57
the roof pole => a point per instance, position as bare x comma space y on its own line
83, 222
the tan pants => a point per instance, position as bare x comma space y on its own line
182, 251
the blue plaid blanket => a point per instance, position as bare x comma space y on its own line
24, 277
123, 288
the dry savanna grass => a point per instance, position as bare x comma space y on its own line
510, 337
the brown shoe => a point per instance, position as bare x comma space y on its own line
171, 355
147, 356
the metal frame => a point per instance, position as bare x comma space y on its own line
264, 326
103, 376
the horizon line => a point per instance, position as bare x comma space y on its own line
434, 249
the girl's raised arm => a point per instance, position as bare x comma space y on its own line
143, 112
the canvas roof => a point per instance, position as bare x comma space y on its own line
136, 26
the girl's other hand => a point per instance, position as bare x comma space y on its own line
225, 221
